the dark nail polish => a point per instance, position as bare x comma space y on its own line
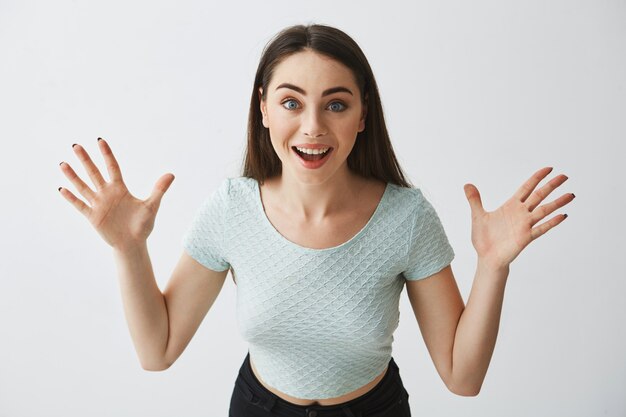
74, 145
60, 188
99, 139
61, 163
573, 195
565, 216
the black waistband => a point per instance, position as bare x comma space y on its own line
384, 392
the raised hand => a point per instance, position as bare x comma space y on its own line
499, 236
119, 217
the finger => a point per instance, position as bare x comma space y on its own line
161, 186
548, 208
80, 185
540, 195
473, 197
535, 232
76, 202
115, 174
90, 167
524, 191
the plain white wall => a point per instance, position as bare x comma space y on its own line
485, 92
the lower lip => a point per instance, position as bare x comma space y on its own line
313, 164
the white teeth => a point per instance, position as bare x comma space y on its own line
313, 151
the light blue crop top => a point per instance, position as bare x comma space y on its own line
319, 322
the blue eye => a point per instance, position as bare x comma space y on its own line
341, 108
289, 101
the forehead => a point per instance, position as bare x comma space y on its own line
312, 71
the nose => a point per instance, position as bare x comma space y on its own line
312, 124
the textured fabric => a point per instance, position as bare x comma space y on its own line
319, 322
250, 398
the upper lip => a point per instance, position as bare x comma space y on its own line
312, 146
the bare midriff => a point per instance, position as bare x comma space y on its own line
323, 401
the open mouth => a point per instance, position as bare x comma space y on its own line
312, 157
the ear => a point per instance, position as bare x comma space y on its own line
363, 114
263, 108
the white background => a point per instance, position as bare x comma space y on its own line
485, 92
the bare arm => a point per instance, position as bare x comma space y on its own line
161, 324
460, 339
189, 295
144, 305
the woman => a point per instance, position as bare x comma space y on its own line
321, 234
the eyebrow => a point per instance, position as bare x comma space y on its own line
324, 94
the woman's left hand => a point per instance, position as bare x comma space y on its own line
499, 236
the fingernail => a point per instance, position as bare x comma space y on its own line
74, 145
60, 188
565, 216
61, 163
573, 195
99, 139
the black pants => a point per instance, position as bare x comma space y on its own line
250, 398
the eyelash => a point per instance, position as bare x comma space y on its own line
338, 102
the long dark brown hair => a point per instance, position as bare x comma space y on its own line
372, 155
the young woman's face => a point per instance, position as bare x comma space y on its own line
313, 101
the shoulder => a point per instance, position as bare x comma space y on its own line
226, 198
416, 198
410, 204
236, 186
404, 197
237, 195
220, 196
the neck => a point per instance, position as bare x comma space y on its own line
315, 201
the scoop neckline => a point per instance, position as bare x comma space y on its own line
268, 224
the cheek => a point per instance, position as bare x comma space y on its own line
349, 128
280, 134
282, 127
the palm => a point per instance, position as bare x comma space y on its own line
118, 216
499, 236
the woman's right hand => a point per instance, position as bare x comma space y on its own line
120, 218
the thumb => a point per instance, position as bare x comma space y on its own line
160, 188
473, 197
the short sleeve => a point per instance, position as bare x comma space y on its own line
204, 239
429, 250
